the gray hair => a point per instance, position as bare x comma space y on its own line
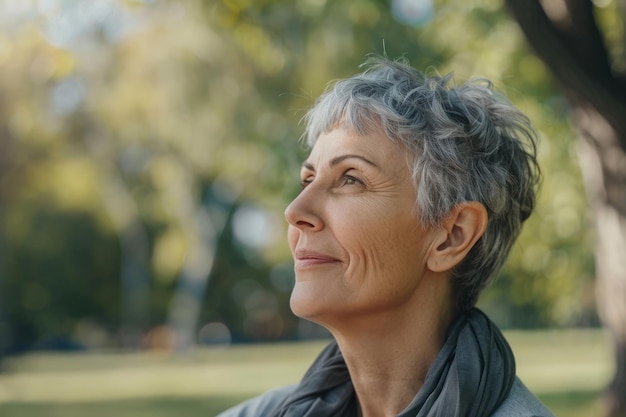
467, 142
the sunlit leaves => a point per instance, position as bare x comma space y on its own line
200, 102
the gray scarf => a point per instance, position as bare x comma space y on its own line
470, 377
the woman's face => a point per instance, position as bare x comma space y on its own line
354, 235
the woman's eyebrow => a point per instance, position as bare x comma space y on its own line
338, 159
341, 158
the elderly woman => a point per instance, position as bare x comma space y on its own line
413, 194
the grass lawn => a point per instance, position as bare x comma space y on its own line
566, 369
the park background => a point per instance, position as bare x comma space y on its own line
148, 151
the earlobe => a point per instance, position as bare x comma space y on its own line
459, 232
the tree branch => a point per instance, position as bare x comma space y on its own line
585, 40
573, 60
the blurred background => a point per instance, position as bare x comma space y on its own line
148, 149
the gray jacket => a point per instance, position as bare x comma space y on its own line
520, 403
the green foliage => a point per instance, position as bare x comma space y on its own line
548, 278
53, 289
195, 107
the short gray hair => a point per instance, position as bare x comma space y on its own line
467, 142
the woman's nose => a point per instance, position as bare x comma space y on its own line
303, 211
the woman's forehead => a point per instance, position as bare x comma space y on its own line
374, 150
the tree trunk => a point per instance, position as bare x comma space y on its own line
201, 233
603, 164
133, 238
564, 34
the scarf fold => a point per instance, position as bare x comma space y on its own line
470, 377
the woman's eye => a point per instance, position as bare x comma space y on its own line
306, 181
350, 180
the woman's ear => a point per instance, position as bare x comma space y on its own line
465, 224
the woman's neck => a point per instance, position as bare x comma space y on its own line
389, 356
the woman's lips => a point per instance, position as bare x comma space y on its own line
307, 258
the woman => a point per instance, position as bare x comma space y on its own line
412, 196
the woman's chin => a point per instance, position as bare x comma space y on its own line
305, 304
301, 306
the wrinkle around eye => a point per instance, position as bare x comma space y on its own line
351, 180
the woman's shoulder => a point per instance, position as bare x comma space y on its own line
261, 405
521, 403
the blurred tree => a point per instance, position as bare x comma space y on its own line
299, 46
156, 124
56, 254
584, 48
9, 181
